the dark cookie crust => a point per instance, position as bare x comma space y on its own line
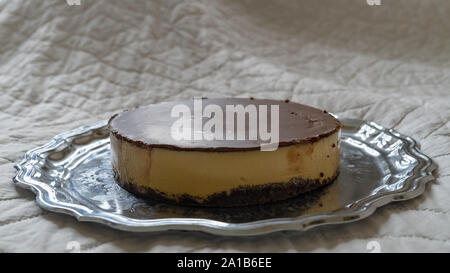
241, 196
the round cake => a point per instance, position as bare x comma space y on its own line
224, 152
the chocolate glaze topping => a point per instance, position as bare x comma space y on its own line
150, 126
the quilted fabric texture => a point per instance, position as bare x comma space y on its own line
64, 66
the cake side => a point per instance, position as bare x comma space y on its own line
240, 196
200, 175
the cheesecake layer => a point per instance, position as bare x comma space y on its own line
240, 196
200, 175
147, 161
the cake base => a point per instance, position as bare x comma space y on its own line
237, 197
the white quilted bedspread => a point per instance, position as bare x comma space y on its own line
64, 66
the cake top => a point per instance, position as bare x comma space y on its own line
224, 124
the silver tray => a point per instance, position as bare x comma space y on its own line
72, 175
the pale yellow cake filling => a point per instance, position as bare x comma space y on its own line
201, 174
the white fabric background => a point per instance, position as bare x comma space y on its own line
66, 66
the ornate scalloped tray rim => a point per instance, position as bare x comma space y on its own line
45, 197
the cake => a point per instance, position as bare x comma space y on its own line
175, 152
